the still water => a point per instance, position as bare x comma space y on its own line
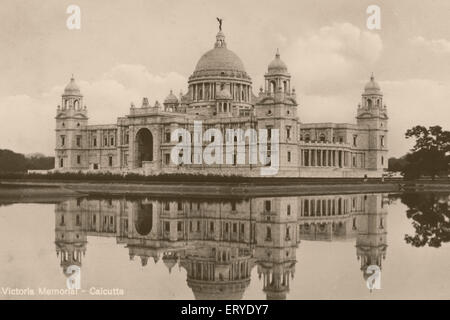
301, 247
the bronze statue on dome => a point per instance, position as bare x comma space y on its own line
220, 23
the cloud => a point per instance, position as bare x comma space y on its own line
322, 61
436, 46
412, 102
28, 122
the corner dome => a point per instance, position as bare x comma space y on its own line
372, 87
72, 88
171, 98
220, 61
277, 65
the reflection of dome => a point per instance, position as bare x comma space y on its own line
171, 98
220, 61
218, 290
224, 95
277, 66
72, 88
372, 86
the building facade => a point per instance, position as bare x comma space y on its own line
220, 95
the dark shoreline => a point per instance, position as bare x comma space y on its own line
54, 191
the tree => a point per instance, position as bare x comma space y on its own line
429, 156
431, 219
397, 164
16, 162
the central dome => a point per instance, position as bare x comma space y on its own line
220, 61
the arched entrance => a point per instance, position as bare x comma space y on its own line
144, 146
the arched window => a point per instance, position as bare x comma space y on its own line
307, 138
322, 138
369, 102
272, 86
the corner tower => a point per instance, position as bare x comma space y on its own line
276, 108
372, 117
71, 137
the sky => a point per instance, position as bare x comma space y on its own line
127, 50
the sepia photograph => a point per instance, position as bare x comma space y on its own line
239, 152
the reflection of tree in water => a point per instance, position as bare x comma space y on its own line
431, 218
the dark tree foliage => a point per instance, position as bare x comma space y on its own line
428, 156
397, 164
430, 214
16, 162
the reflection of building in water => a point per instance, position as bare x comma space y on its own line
219, 243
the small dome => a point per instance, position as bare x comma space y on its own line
277, 65
171, 98
224, 94
372, 86
72, 88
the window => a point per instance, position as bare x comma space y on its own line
110, 161
94, 142
354, 140
127, 138
269, 133
179, 226
268, 233
61, 163
166, 206
341, 139
180, 206
167, 158
105, 142
211, 226
167, 136
382, 141
78, 141
180, 138
382, 160
289, 156
78, 159
354, 161
234, 227
112, 141
322, 138
288, 209
288, 132
166, 226
267, 205
233, 206
63, 140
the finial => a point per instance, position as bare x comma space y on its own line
372, 77
220, 23
278, 53
72, 78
